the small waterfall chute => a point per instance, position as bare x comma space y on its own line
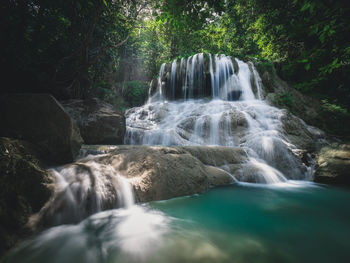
85, 188
125, 193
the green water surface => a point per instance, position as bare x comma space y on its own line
300, 222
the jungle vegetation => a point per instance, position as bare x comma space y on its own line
113, 48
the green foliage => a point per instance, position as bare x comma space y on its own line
336, 117
265, 66
334, 109
285, 100
62, 47
134, 92
101, 90
310, 39
71, 49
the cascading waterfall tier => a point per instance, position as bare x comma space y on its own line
207, 76
216, 100
85, 188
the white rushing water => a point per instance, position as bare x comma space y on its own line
84, 188
216, 100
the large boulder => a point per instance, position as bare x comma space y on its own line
98, 121
97, 182
160, 172
24, 189
40, 119
333, 164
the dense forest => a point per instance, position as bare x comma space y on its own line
112, 49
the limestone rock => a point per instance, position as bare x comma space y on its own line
298, 133
218, 155
218, 176
98, 121
93, 183
333, 164
160, 172
40, 119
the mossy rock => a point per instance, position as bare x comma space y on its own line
24, 189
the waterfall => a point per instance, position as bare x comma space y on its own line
182, 79
211, 72
257, 81
159, 93
217, 100
126, 194
83, 189
185, 88
191, 77
244, 76
222, 77
173, 78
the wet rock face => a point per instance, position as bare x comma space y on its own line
82, 189
303, 136
185, 123
24, 189
95, 183
333, 164
276, 136
160, 172
40, 119
98, 121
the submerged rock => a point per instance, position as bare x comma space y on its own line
333, 165
24, 189
98, 121
40, 119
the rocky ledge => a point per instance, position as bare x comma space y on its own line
160, 172
94, 183
99, 122
333, 165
